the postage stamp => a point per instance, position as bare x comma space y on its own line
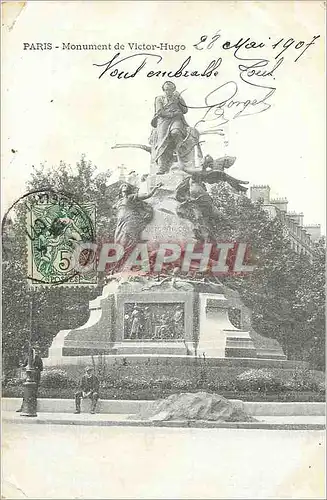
55, 224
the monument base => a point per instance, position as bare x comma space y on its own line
153, 348
174, 316
174, 360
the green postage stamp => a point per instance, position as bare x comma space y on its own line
55, 226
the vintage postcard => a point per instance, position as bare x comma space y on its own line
163, 249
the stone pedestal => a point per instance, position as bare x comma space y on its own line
166, 226
174, 317
166, 326
96, 336
266, 348
137, 315
218, 337
157, 305
212, 339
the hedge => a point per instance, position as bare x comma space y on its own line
145, 382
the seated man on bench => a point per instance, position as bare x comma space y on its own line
89, 389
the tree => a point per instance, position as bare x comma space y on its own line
53, 308
310, 302
286, 290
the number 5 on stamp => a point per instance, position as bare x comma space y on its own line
54, 229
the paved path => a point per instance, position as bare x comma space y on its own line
79, 462
122, 419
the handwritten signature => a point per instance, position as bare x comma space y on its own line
114, 68
220, 109
221, 104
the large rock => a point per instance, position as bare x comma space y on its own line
196, 406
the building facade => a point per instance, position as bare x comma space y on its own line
301, 237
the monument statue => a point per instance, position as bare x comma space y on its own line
195, 202
133, 214
172, 139
219, 163
169, 126
174, 312
186, 151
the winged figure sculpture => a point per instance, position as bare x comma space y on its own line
192, 194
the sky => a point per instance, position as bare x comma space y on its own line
55, 107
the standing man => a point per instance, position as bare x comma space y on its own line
89, 388
37, 365
170, 126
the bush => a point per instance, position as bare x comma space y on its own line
305, 380
126, 382
170, 383
56, 378
258, 380
13, 382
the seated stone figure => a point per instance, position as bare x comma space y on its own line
89, 388
170, 126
